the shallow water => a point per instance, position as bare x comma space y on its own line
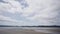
52, 30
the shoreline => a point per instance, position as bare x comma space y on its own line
29, 31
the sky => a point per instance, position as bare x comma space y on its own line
29, 12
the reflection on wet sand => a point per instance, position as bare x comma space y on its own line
30, 31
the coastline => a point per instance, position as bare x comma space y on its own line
29, 31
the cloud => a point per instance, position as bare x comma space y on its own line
8, 21
12, 6
44, 12
40, 11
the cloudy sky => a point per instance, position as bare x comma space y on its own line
30, 12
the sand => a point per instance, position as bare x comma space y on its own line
19, 31
27, 31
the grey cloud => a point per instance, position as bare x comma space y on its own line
47, 12
7, 21
23, 3
3, 1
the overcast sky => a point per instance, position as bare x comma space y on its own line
30, 12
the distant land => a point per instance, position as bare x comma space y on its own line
29, 26
6, 26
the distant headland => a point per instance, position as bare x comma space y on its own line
29, 26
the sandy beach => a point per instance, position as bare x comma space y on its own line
25, 31
15, 31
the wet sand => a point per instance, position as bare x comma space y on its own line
16, 31
28, 31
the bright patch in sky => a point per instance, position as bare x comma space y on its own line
29, 12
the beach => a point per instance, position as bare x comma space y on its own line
29, 31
